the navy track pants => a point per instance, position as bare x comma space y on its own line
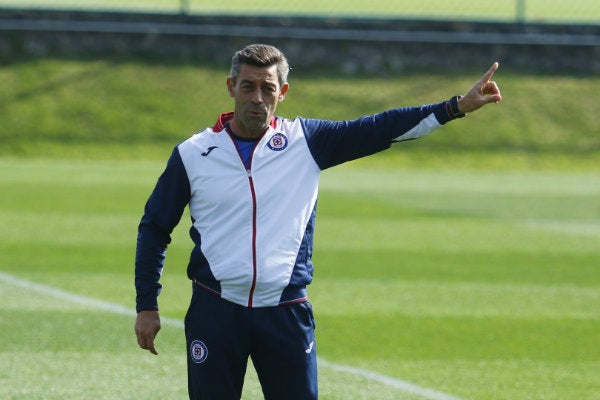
221, 335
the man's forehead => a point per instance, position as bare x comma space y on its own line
252, 72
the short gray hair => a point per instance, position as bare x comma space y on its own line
260, 55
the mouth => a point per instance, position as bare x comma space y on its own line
257, 112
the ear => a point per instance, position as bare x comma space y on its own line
283, 91
230, 86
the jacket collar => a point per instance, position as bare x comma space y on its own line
226, 117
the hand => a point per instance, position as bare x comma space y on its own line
147, 325
483, 92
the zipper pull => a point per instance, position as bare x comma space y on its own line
249, 173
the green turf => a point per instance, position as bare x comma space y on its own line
466, 262
483, 285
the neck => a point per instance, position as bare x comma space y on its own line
244, 132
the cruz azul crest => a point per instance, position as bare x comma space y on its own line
278, 142
198, 352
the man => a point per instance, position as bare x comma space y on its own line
250, 183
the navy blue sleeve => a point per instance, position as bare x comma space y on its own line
335, 142
162, 213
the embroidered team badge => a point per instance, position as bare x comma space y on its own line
198, 352
278, 142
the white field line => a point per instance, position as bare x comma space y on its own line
114, 308
396, 383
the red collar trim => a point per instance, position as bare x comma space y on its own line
226, 117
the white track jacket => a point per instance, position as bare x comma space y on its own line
253, 228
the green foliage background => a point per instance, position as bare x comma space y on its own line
137, 108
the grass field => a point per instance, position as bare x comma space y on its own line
503, 10
468, 284
462, 266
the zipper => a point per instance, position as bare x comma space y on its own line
254, 264
254, 215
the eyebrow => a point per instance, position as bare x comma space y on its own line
260, 82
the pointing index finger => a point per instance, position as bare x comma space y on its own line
490, 72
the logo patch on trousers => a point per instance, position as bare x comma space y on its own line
198, 352
310, 347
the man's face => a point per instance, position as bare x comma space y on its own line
256, 92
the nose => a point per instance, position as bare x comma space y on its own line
257, 97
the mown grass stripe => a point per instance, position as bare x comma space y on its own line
113, 308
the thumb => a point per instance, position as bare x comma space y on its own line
146, 342
151, 348
491, 92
